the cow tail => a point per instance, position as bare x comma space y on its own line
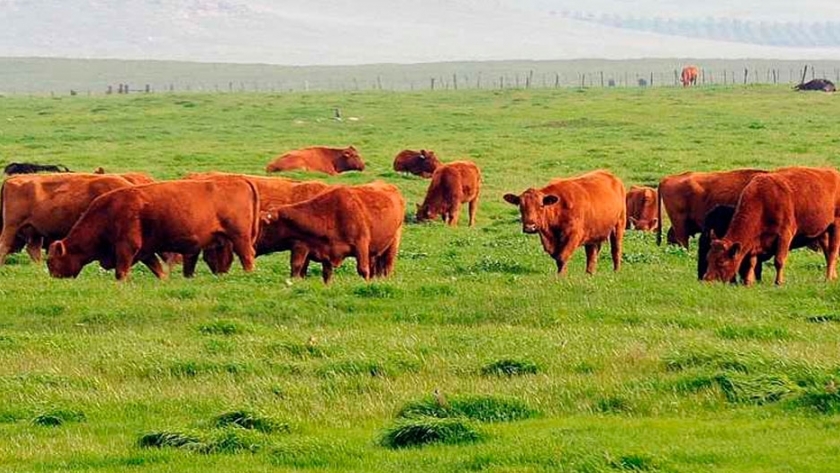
659, 214
2, 209
255, 204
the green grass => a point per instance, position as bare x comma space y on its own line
645, 369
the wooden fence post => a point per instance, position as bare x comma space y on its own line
433, 83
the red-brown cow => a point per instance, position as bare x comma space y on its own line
364, 222
641, 208
689, 196
775, 208
39, 208
567, 213
421, 163
327, 160
689, 75
274, 191
133, 224
452, 185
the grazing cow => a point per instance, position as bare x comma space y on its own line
421, 163
135, 223
31, 168
38, 209
775, 209
567, 213
816, 84
364, 222
327, 160
641, 208
689, 196
689, 75
452, 185
273, 191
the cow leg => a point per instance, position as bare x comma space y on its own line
326, 271
748, 270
473, 209
564, 254
830, 250
7, 242
153, 263
388, 259
246, 253
34, 246
781, 255
616, 242
219, 258
454, 214
299, 262
592, 251
190, 260
124, 255
363, 261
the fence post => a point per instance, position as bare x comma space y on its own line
455, 81
746, 73
556, 80
379, 82
676, 77
651, 79
602, 79
433, 83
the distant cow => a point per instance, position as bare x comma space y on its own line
133, 224
773, 210
452, 184
364, 222
689, 75
816, 84
273, 191
567, 213
327, 160
421, 163
641, 208
689, 196
38, 209
31, 168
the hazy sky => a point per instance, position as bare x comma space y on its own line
370, 31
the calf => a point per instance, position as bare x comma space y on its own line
320, 159
452, 185
421, 163
641, 208
567, 213
31, 168
775, 209
133, 224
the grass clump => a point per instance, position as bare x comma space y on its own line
250, 421
222, 327
416, 432
164, 439
220, 441
376, 291
57, 417
634, 462
481, 408
757, 390
509, 367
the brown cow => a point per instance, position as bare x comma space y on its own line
41, 208
360, 221
133, 224
689, 196
689, 75
775, 208
328, 160
567, 213
452, 185
274, 191
641, 208
421, 163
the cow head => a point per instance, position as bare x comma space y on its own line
644, 225
351, 160
61, 263
424, 213
724, 259
532, 205
426, 162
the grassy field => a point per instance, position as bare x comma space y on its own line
645, 369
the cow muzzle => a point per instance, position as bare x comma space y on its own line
529, 228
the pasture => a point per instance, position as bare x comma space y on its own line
645, 369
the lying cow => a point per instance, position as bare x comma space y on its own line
567, 213
773, 211
133, 224
364, 222
420, 163
327, 160
38, 209
689, 196
32, 168
641, 208
824, 85
273, 191
452, 184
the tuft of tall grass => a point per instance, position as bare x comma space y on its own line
251, 421
416, 432
481, 408
509, 367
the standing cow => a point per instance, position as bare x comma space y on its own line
641, 208
689, 75
689, 196
420, 163
774, 209
452, 184
567, 213
133, 224
364, 222
331, 161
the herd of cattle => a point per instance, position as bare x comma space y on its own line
744, 216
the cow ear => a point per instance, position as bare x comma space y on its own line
511, 199
633, 222
734, 249
423, 154
58, 249
353, 148
550, 200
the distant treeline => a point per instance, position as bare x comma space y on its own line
770, 33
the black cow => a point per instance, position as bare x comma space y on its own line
816, 84
30, 168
